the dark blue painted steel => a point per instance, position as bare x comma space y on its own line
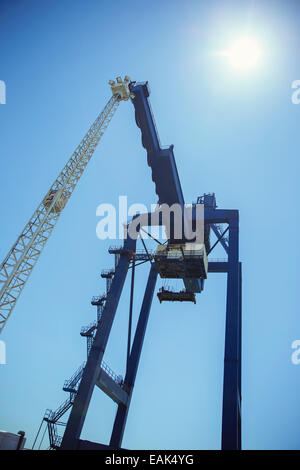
222, 241
161, 160
240, 359
168, 189
122, 412
91, 371
217, 267
231, 421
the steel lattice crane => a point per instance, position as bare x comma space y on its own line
22, 257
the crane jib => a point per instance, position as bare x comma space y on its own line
22, 257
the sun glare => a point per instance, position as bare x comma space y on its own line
243, 54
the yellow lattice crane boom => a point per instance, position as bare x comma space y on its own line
22, 257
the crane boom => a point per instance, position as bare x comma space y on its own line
22, 257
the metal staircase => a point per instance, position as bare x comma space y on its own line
52, 420
108, 381
72, 384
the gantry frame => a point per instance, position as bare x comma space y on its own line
168, 188
231, 414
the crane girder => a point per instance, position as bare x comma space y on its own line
160, 159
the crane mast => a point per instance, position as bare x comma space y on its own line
22, 257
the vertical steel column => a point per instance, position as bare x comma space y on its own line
91, 371
231, 420
122, 412
130, 312
240, 359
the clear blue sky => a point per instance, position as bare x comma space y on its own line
234, 133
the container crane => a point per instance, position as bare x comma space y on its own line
169, 261
191, 265
22, 257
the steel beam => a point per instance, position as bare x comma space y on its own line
91, 371
217, 266
122, 412
231, 416
240, 359
222, 240
109, 386
161, 160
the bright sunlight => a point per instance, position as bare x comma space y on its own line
244, 53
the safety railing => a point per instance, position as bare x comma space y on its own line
70, 385
89, 328
217, 260
116, 378
98, 299
107, 272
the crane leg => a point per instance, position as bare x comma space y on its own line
91, 371
122, 412
231, 422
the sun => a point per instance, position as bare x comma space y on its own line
244, 53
